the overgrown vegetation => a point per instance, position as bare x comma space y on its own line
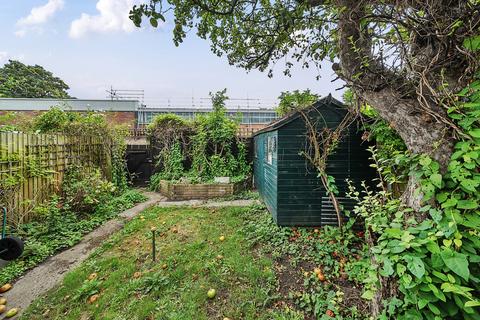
433, 253
198, 150
87, 201
259, 271
319, 269
94, 186
74, 124
295, 100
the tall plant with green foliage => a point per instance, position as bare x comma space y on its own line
93, 124
216, 150
295, 100
201, 149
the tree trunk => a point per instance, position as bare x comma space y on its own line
421, 133
395, 100
380, 88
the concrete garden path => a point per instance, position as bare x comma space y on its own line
209, 203
47, 275
51, 272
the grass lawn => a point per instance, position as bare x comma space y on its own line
259, 271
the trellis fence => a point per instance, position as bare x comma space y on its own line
32, 167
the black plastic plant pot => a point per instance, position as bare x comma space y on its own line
11, 248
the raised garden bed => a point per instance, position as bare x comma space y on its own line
190, 191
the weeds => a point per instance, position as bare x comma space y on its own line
58, 228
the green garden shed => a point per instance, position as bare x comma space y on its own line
289, 185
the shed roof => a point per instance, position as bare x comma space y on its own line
325, 101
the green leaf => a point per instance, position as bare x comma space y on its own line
416, 267
449, 203
387, 268
425, 161
472, 43
368, 295
436, 179
474, 133
472, 303
422, 303
469, 185
457, 262
440, 275
154, 22
428, 190
442, 197
433, 247
439, 294
394, 232
412, 314
434, 309
401, 269
467, 204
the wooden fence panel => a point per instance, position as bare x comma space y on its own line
32, 167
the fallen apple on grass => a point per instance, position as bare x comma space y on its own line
93, 298
92, 276
211, 293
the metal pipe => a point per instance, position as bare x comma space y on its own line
4, 225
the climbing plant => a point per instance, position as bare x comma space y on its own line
295, 100
170, 137
93, 124
321, 143
198, 150
431, 254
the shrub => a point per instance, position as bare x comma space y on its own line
200, 150
93, 124
84, 190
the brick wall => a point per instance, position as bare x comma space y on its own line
246, 130
118, 117
113, 117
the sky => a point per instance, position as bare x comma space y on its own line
92, 46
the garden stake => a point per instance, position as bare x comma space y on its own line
153, 243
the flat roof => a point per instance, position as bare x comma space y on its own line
205, 109
33, 104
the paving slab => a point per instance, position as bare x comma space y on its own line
209, 203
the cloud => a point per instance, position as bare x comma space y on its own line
112, 17
38, 16
3, 57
